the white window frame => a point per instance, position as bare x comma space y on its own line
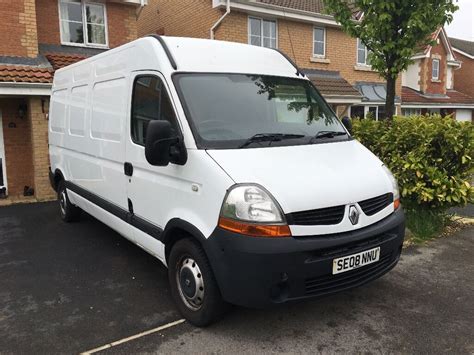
438, 62
411, 112
261, 19
84, 25
324, 42
366, 54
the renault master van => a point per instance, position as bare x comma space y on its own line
224, 162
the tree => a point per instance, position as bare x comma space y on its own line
393, 31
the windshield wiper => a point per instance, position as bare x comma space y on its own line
327, 134
269, 137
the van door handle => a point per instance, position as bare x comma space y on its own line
128, 169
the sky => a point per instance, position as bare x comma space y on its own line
463, 23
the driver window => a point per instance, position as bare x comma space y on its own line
150, 101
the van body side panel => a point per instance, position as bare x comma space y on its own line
193, 192
117, 224
87, 128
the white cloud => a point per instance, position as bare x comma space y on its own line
463, 24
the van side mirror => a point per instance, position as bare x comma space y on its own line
346, 121
162, 144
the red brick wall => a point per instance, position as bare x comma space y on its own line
464, 77
435, 86
184, 18
18, 28
18, 152
121, 20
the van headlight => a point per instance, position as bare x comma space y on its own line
251, 210
396, 191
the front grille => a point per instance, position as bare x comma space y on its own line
322, 216
333, 283
334, 215
376, 204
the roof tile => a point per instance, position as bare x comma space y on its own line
463, 45
316, 6
25, 74
410, 96
330, 83
59, 60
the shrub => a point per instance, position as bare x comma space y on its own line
431, 156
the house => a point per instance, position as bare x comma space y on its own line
464, 76
336, 63
429, 84
38, 37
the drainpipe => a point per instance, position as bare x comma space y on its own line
140, 9
227, 11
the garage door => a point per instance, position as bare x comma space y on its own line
464, 115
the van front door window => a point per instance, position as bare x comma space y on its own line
150, 102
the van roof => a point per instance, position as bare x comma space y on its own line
189, 54
204, 55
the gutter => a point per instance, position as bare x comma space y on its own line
213, 28
25, 89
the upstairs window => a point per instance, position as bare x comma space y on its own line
83, 23
362, 53
435, 70
262, 32
319, 42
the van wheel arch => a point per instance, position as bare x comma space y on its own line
177, 229
58, 177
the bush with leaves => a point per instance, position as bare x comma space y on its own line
431, 156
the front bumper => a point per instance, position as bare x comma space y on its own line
258, 272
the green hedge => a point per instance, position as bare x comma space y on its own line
431, 156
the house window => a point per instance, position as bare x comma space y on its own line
83, 23
362, 53
435, 69
262, 32
411, 112
319, 42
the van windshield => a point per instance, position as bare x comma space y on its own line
230, 111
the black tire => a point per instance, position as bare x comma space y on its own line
183, 276
67, 211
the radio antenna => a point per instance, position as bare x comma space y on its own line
289, 37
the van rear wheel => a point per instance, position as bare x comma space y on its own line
67, 211
193, 285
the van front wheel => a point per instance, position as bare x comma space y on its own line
67, 211
193, 285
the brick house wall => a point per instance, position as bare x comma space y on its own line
464, 77
18, 35
195, 19
427, 84
183, 18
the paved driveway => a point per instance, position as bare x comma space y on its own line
70, 288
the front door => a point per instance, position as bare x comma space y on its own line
3, 170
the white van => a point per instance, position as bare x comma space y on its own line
224, 162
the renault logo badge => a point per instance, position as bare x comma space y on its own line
353, 214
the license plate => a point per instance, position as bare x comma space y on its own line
354, 261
